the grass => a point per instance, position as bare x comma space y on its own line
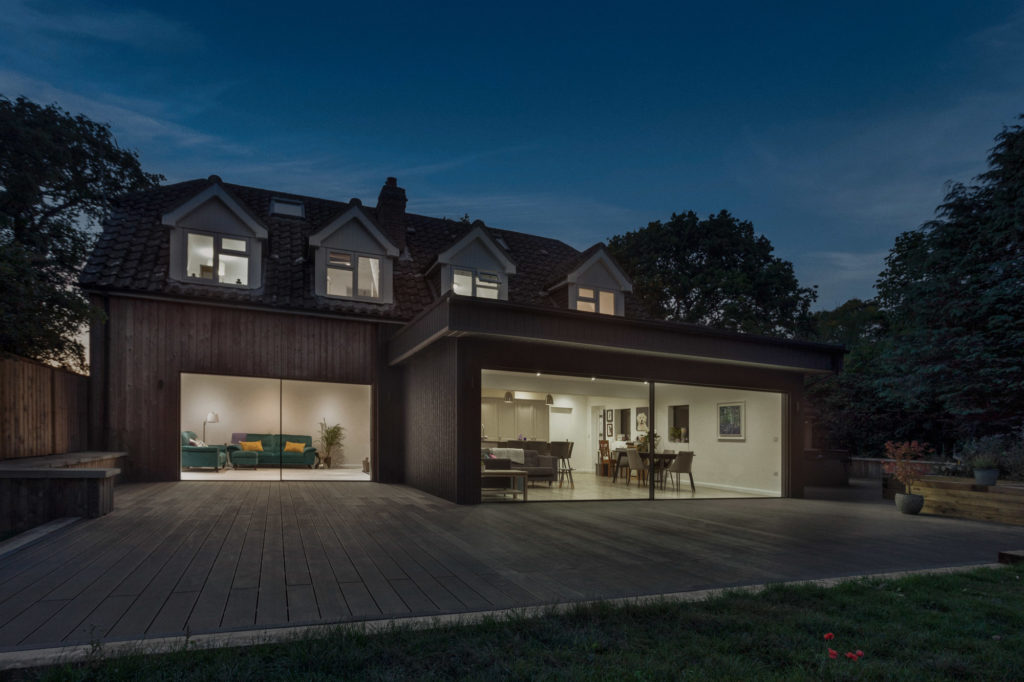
957, 626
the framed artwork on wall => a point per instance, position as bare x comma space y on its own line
731, 418
609, 416
642, 419
609, 431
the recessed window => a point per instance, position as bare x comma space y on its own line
287, 207
352, 276
223, 260
468, 282
591, 300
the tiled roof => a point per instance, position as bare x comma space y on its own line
133, 255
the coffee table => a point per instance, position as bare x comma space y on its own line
518, 480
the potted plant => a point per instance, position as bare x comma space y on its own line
331, 438
907, 468
984, 455
642, 442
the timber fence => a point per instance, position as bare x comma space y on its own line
43, 410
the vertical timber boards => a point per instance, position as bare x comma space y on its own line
431, 399
42, 409
152, 342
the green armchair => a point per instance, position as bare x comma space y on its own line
197, 456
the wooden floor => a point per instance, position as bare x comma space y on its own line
177, 558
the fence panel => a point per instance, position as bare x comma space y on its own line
43, 410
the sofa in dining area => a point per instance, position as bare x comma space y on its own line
538, 467
273, 449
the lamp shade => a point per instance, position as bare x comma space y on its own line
508, 396
549, 400
212, 418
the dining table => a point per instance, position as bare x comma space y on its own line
661, 461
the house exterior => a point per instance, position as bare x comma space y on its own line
209, 278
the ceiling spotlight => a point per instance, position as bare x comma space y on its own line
593, 378
538, 373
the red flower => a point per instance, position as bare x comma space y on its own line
829, 635
832, 653
860, 654
852, 656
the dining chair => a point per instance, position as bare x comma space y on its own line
682, 464
637, 464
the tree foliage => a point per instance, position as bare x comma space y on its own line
58, 176
713, 271
954, 293
940, 354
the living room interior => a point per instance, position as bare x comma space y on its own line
251, 428
735, 437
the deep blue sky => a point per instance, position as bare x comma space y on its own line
832, 127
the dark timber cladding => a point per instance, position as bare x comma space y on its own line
466, 336
432, 401
146, 345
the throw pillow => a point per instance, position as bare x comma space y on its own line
251, 445
290, 446
193, 442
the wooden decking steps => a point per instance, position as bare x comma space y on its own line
963, 498
35, 490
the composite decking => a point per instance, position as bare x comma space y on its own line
190, 558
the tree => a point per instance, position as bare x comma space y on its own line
58, 176
853, 415
715, 272
953, 291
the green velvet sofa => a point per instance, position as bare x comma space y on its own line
272, 455
195, 456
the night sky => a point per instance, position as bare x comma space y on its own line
832, 127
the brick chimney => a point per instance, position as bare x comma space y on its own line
391, 212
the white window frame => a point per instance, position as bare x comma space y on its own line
354, 268
218, 249
594, 300
475, 277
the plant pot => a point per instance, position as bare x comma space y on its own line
986, 476
909, 504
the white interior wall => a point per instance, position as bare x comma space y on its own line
244, 404
253, 405
306, 403
751, 465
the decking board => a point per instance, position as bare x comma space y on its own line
178, 558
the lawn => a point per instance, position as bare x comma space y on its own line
956, 626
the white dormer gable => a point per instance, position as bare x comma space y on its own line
354, 259
215, 240
597, 285
475, 265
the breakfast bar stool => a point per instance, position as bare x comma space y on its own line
563, 451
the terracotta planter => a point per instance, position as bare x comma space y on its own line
986, 476
909, 504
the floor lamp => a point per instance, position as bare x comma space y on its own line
211, 418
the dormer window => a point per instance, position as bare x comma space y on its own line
354, 259
214, 240
591, 300
224, 260
351, 275
469, 282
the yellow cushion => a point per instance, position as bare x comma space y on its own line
289, 446
251, 445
